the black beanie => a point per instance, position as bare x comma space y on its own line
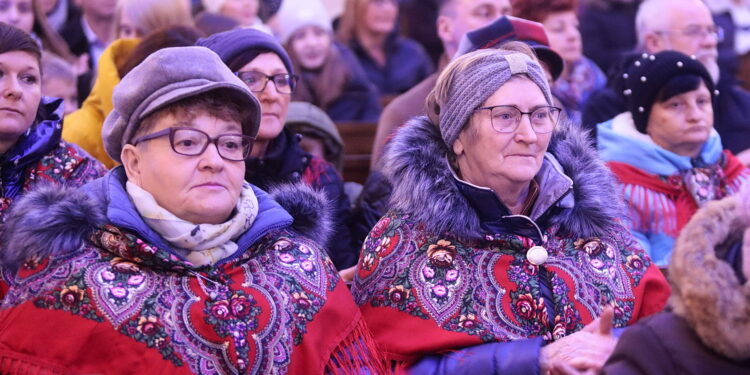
245, 42
645, 76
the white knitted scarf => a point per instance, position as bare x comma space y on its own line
201, 244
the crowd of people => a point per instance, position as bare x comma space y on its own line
556, 187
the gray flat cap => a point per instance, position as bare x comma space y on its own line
165, 77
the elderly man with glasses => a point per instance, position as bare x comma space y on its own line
684, 26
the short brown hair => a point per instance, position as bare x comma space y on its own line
220, 104
539, 10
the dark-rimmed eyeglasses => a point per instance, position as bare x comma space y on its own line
506, 118
257, 81
193, 142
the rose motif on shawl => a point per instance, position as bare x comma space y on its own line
241, 306
398, 294
526, 306
635, 262
593, 246
380, 227
71, 295
467, 321
148, 325
220, 310
442, 254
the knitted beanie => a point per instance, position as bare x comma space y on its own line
646, 75
296, 14
477, 82
244, 42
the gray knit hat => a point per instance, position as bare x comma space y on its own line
165, 77
476, 83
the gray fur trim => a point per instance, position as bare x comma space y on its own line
311, 210
50, 220
705, 289
415, 163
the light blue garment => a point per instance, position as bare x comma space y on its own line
617, 146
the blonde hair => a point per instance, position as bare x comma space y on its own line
151, 15
438, 97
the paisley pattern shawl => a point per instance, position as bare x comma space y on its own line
449, 294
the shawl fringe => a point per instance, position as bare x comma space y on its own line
357, 352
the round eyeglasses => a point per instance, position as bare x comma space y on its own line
193, 142
507, 118
257, 81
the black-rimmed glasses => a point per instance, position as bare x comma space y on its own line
257, 81
192, 142
506, 118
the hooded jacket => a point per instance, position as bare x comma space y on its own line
446, 268
707, 330
651, 181
95, 290
84, 126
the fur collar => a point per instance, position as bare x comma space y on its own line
423, 186
705, 289
57, 220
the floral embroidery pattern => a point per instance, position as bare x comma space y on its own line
489, 289
261, 311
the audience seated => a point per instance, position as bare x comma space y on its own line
664, 149
263, 64
393, 63
580, 76
455, 18
138, 18
685, 26
608, 30
59, 81
330, 76
84, 126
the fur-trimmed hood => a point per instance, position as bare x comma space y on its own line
58, 220
706, 291
424, 187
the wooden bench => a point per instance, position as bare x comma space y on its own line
358, 138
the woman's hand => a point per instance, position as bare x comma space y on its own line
585, 350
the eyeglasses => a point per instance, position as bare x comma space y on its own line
257, 81
193, 142
506, 118
700, 32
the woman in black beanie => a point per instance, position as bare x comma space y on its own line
263, 64
664, 150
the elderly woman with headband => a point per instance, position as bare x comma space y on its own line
503, 244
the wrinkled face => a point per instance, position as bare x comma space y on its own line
20, 82
488, 158
63, 89
682, 122
19, 13
312, 45
564, 36
462, 16
128, 29
687, 31
380, 16
274, 105
199, 189
244, 11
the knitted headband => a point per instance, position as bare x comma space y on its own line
472, 86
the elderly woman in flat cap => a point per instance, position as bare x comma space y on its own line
172, 263
502, 246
